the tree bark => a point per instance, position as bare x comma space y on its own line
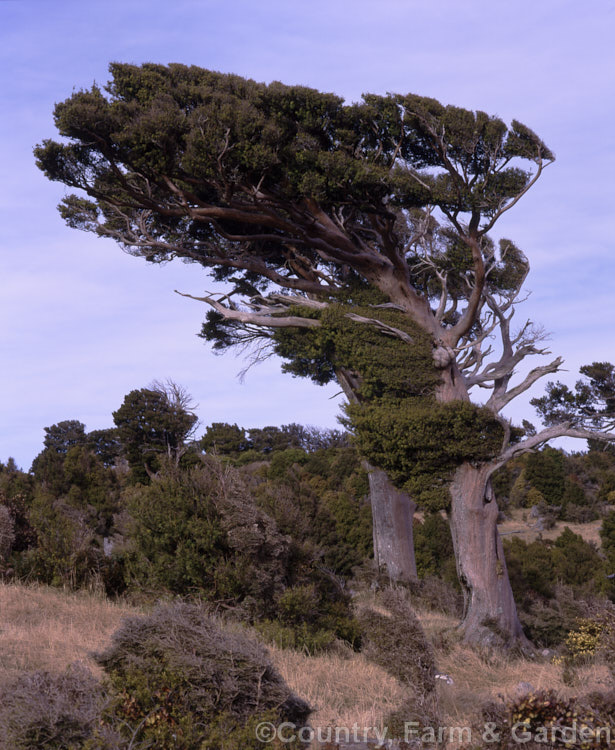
392, 518
490, 614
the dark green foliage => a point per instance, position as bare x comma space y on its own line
213, 130
577, 562
419, 442
224, 439
534, 568
592, 403
16, 493
387, 367
63, 436
198, 532
433, 548
44, 710
393, 638
67, 552
150, 424
271, 439
60, 529
552, 582
607, 536
545, 471
530, 569
105, 444
321, 500
185, 680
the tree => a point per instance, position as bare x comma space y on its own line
48, 466
152, 422
224, 439
372, 218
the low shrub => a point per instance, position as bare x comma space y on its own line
43, 710
394, 639
543, 719
183, 680
298, 637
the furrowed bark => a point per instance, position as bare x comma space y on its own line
490, 615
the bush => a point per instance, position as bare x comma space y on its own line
394, 639
7, 533
182, 679
433, 547
544, 719
199, 532
42, 710
301, 637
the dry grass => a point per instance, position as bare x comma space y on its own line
477, 679
44, 628
521, 525
343, 689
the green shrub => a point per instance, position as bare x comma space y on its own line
394, 639
544, 719
577, 562
198, 532
433, 547
300, 637
184, 680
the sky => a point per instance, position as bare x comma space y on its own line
82, 323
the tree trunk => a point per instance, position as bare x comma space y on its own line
392, 509
392, 518
490, 615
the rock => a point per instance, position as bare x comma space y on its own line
523, 688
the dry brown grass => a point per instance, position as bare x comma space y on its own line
343, 689
521, 525
44, 628
478, 679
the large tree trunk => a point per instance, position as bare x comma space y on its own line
490, 615
392, 517
392, 510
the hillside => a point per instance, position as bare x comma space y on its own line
45, 628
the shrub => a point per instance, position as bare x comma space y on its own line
301, 637
544, 719
43, 710
577, 562
198, 532
394, 639
183, 680
66, 553
433, 547
7, 533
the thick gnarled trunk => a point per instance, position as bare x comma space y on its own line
392, 517
490, 614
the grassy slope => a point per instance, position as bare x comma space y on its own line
520, 524
43, 628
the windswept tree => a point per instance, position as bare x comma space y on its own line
344, 222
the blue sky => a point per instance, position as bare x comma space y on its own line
82, 324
